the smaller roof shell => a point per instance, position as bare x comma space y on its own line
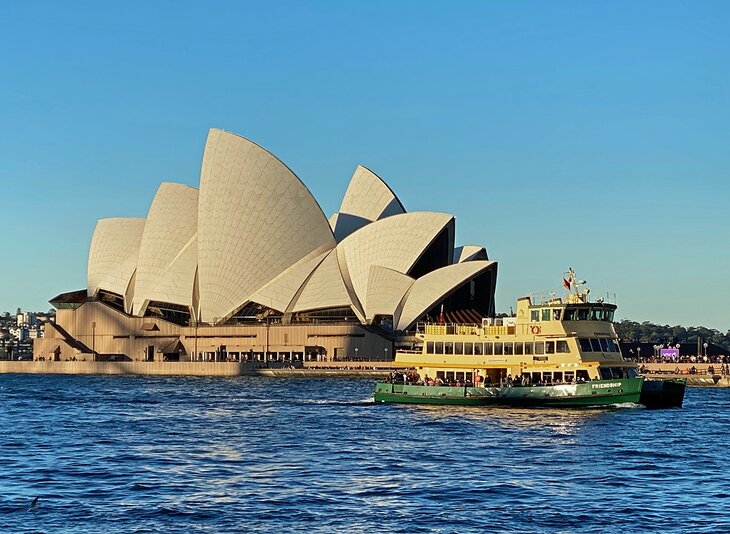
435, 286
368, 198
113, 254
386, 288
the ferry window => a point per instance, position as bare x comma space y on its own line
550, 347
547, 378
570, 314
595, 345
561, 346
429, 347
546, 314
604, 344
458, 348
508, 349
460, 376
596, 314
449, 377
528, 347
585, 344
609, 317
536, 378
605, 373
448, 347
469, 377
611, 346
582, 314
439, 347
488, 349
441, 375
497, 348
539, 347
469, 348
534, 316
569, 377
556, 314
519, 347
478, 349
581, 375
631, 372
558, 376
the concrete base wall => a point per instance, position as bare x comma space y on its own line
97, 327
175, 369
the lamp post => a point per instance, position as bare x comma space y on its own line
705, 346
266, 351
93, 340
355, 353
195, 341
638, 351
385, 350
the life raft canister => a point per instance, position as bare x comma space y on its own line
535, 329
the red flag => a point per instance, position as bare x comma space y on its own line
566, 284
442, 320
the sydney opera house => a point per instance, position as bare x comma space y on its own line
248, 267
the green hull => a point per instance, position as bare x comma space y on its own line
594, 393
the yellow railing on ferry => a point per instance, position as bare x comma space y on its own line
436, 329
499, 330
451, 329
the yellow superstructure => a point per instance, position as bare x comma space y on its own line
549, 342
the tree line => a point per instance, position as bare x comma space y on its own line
647, 332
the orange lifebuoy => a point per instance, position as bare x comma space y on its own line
535, 329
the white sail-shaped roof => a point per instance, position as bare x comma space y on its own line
255, 219
395, 242
168, 253
469, 253
368, 198
279, 293
324, 289
428, 290
113, 254
386, 288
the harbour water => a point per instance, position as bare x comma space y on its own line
174, 454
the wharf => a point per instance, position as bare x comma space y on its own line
700, 378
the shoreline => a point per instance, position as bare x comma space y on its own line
350, 369
347, 369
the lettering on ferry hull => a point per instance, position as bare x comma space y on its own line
609, 385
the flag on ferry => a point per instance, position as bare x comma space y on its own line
442, 320
566, 284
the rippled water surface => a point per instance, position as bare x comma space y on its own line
151, 454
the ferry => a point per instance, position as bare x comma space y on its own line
553, 351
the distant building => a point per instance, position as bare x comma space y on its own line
20, 333
26, 319
248, 267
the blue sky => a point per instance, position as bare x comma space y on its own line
585, 134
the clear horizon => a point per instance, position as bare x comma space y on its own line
560, 135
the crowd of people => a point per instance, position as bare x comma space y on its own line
414, 379
721, 359
723, 370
